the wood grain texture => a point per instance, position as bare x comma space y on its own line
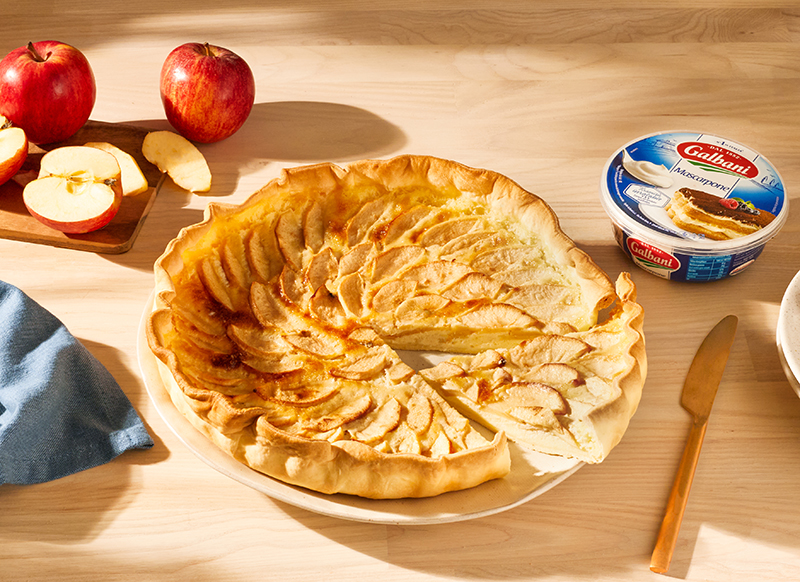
543, 92
118, 236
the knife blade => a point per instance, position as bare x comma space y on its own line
697, 398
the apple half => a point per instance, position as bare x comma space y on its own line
133, 180
79, 189
179, 158
13, 149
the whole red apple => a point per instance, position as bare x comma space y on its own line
47, 88
207, 91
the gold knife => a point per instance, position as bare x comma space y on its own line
698, 395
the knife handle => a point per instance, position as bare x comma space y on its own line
676, 504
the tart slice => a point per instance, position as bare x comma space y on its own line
570, 395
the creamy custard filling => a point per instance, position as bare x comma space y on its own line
283, 316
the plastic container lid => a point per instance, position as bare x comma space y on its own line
641, 180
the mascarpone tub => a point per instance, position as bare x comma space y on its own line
691, 206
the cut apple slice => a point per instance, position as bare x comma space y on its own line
179, 158
79, 189
133, 180
13, 149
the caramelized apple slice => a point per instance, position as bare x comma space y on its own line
307, 395
538, 416
407, 224
418, 308
314, 227
390, 296
498, 315
235, 261
267, 343
363, 368
386, 419
437, 275
547, 302
270, 311
356, 258
317, 343
322, 268
366, 219
553, 374
473, 243
261, 249
548, 349
420, 413
294, 289
395, 260
535, 394
216, 281
326, 308
346, 413
291, 241
278, 364
351, 294
444, 232
473, 286
504, 258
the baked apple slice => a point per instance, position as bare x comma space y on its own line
13, 149
79, 189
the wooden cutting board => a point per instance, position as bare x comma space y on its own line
116, 237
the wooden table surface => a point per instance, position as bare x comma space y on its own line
543, 92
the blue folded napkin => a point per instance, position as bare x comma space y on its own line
61, 411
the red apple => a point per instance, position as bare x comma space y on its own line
47, 88
79, 189
13, 149
207, 91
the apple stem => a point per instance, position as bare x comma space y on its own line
35, 54
209, 52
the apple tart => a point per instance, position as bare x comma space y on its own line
276, 325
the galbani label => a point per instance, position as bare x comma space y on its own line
650, 257
714, 156
665, 193
643, 183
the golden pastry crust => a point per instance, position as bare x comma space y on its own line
275, 322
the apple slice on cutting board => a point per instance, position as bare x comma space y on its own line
133, 180
79, 189
179, 158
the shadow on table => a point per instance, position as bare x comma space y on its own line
522, 543
744, 483
76, 508
284, 134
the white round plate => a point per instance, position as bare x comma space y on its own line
531, 475
788, 333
